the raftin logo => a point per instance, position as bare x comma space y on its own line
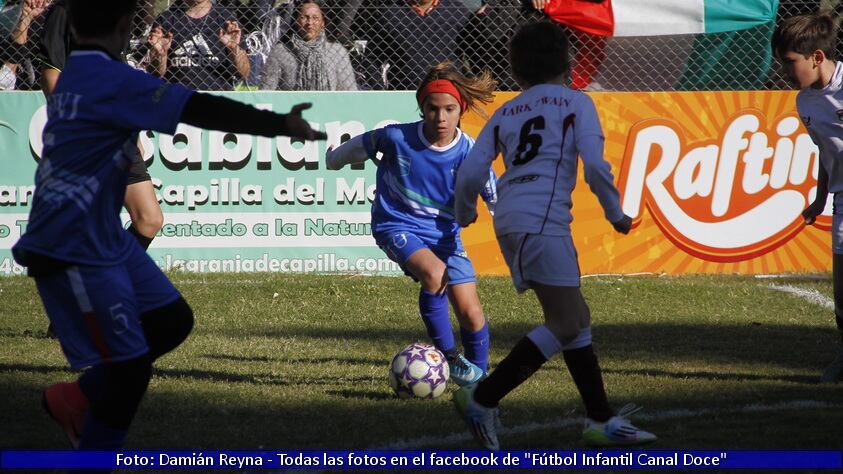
727, 199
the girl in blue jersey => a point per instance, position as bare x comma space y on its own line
543, 134
413, 212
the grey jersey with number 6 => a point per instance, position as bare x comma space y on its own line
540, 133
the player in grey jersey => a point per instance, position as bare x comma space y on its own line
805, 45
540, 134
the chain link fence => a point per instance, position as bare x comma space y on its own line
384, 45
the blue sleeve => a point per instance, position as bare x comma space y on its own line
375, 141
149, 103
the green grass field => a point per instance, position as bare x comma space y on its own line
299, 362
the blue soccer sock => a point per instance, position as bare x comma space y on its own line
434, 312
476, 346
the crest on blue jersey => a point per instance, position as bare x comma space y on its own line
399, 240
403, 164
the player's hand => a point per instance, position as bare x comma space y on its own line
539, 4
160, 41
297, 126
811, 212
623, 225
472, 221
230, 35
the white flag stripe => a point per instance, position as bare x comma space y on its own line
658, 17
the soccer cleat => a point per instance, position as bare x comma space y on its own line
67, 405
482, 421
463, 371
834, 372
616, 431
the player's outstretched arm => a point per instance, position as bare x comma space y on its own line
816, 208
219, 113
598, 175
352, 151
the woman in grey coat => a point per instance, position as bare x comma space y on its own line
308, 61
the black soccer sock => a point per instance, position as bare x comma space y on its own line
522, 361
143, 240
837, 278
584, 369
125, 383
167, 327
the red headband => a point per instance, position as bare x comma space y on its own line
443, 86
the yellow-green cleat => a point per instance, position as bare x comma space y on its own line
481, 421
616, 431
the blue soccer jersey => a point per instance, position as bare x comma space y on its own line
416, 181
89, 140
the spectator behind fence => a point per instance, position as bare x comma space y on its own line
405, 37
14, 47
264, 24
198, 44
485, 40
307, 60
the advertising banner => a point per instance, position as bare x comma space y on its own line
715, 181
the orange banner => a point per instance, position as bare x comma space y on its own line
715, 181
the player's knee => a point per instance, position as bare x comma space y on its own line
582, 339
545, 340
564, 329
167, 327
472, 317
433, 278
549, 343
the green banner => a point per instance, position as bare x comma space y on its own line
234, 202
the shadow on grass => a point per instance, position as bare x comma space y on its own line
716, 376
786, 346
207, 375
361, 419
299, 360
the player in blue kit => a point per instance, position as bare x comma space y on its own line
540, 134
413, 212
112, 308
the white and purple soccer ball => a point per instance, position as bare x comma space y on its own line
419, 371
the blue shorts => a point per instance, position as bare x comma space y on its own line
95, 311
399, 245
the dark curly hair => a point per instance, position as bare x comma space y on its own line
538, 52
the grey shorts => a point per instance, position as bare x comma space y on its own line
536, 258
